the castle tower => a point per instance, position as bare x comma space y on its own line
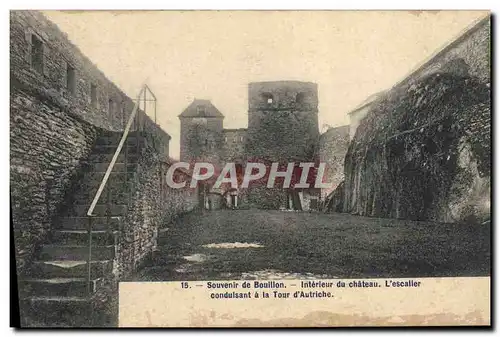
283, 121
201, 132
283, 128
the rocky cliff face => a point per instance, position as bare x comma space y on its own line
423, 152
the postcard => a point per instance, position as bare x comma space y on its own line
251, 168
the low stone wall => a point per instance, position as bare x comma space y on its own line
153, 203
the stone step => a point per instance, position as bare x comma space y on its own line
58, 310
164, 240
107, 149
99, 210
60, 286
94, 179
81, 237
117, 194
111, 137
68, 268
99, 223
115, 140
164, 232
166, 236
106, 158
56, 252
103, 167
118, 183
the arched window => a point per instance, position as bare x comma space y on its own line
266, 98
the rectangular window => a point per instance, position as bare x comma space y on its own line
201, 110
93, 96
110, 106
70, 79
37, 53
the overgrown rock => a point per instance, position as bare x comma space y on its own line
423, 152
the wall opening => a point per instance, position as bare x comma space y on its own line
266, 98
70, 79
36, 53
110, 106
93, 96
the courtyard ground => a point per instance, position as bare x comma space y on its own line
265, 244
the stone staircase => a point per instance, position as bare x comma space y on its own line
55, 290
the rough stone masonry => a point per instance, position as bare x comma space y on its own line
59, 104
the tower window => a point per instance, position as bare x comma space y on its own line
267, 98
70, 79
200, 109
93, 96
36, 53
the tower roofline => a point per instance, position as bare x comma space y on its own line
208, 111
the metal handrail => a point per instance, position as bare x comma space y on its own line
103, 184
117, 153
152, 100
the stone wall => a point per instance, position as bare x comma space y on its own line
46, 148
282, 121
333, 146
153, 203
423, 150
282, 127
201, 139
233, 149
262, 197
54, 121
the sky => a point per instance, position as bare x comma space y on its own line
213, 55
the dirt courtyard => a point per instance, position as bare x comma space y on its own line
266, 244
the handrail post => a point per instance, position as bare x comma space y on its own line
155, 109
89, 259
